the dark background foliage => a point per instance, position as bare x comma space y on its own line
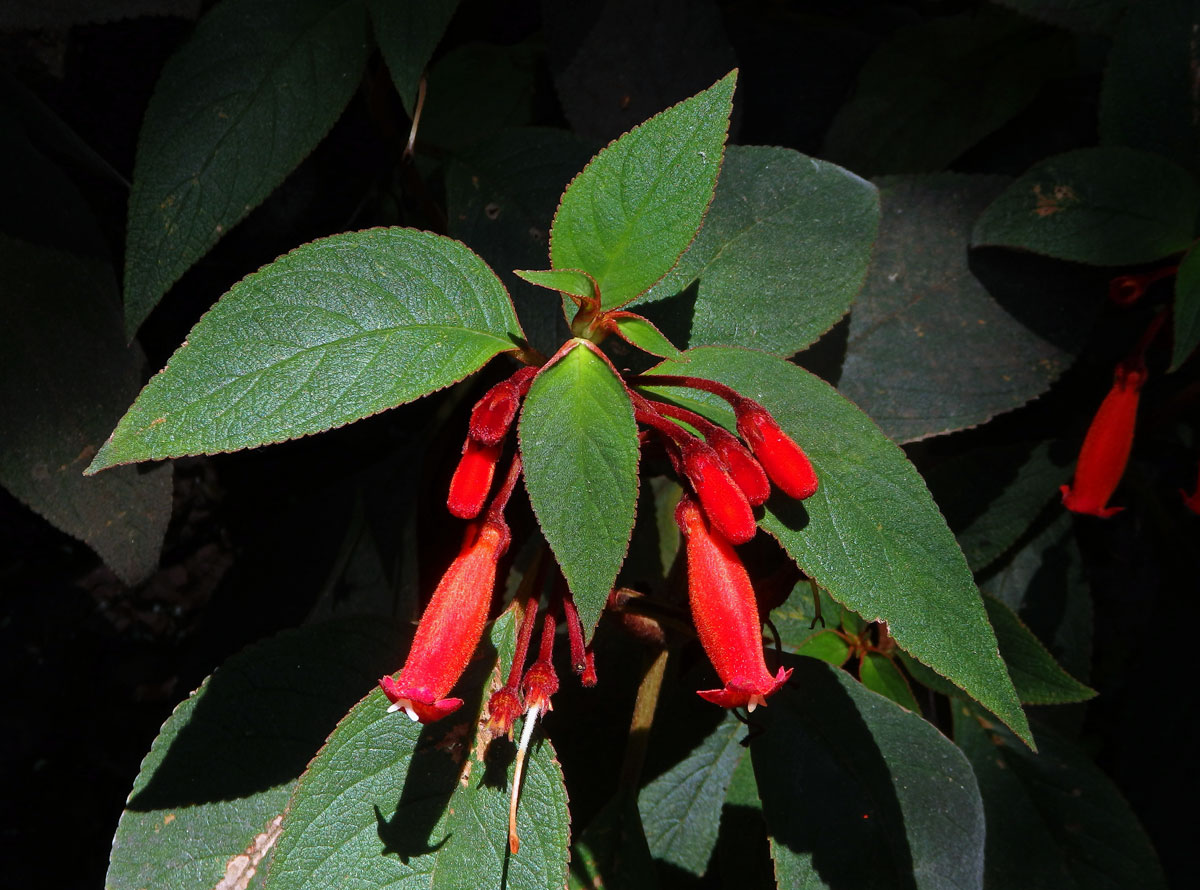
263, 540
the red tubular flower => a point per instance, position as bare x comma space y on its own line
723, 500
726, 615
541, 681
1106, 446
450, 628
493, 414
786, 464
472, 479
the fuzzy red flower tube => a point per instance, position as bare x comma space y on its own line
1106, 446
450, 627
725, 612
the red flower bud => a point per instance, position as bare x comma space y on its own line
541, 681
723, 500
745, 470
788, 466
450, 629
493, 414
1106, 446
472, 479
725, 612
504, 707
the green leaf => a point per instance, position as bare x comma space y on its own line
933, 90
398, 803
500, 196
1038, 678
783, 251
681, 807
336, 330
475, 90
1054, 819
612, 851
860, 793
871, 535
880, 674
1106, 206
568, 281
636, 207
1186, 310
743, 851
216, 781
1148, 99
1045, 584
407, 34
827, 645
580, 448
930, 350
640, 332
992, 495
65, 374
256, 88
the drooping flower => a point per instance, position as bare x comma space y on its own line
450, 627
785, 462
723, 500
1107, 445
725, 613
493, 414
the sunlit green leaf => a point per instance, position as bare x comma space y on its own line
334, 331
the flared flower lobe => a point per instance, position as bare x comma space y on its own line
725, 613
450, 629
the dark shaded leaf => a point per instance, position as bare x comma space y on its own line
475, 90
880, 674
1108, 206
1038, 678
407, 34
1054, 820
501, 196
858, 792
1087, 16
65, 374
1185, 317
215, 784
335, 331
235, 110
783, 252
611, 76
933, 90
1148, 99
612, 851
930, 350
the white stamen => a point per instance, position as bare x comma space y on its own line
392, 709
412, 715
514, 842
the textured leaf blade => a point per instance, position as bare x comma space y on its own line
871, 535
401, 804
568, 281
236, 109
860, 793
636, 207
930, 350
782, 254
933, 90
334, 331
1107, 206
1054, 819
1186, 310
580, 450
681, 807
1148, 98
640, 332
65, 374
1037, 677
190, 815
407, 34
880, 674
